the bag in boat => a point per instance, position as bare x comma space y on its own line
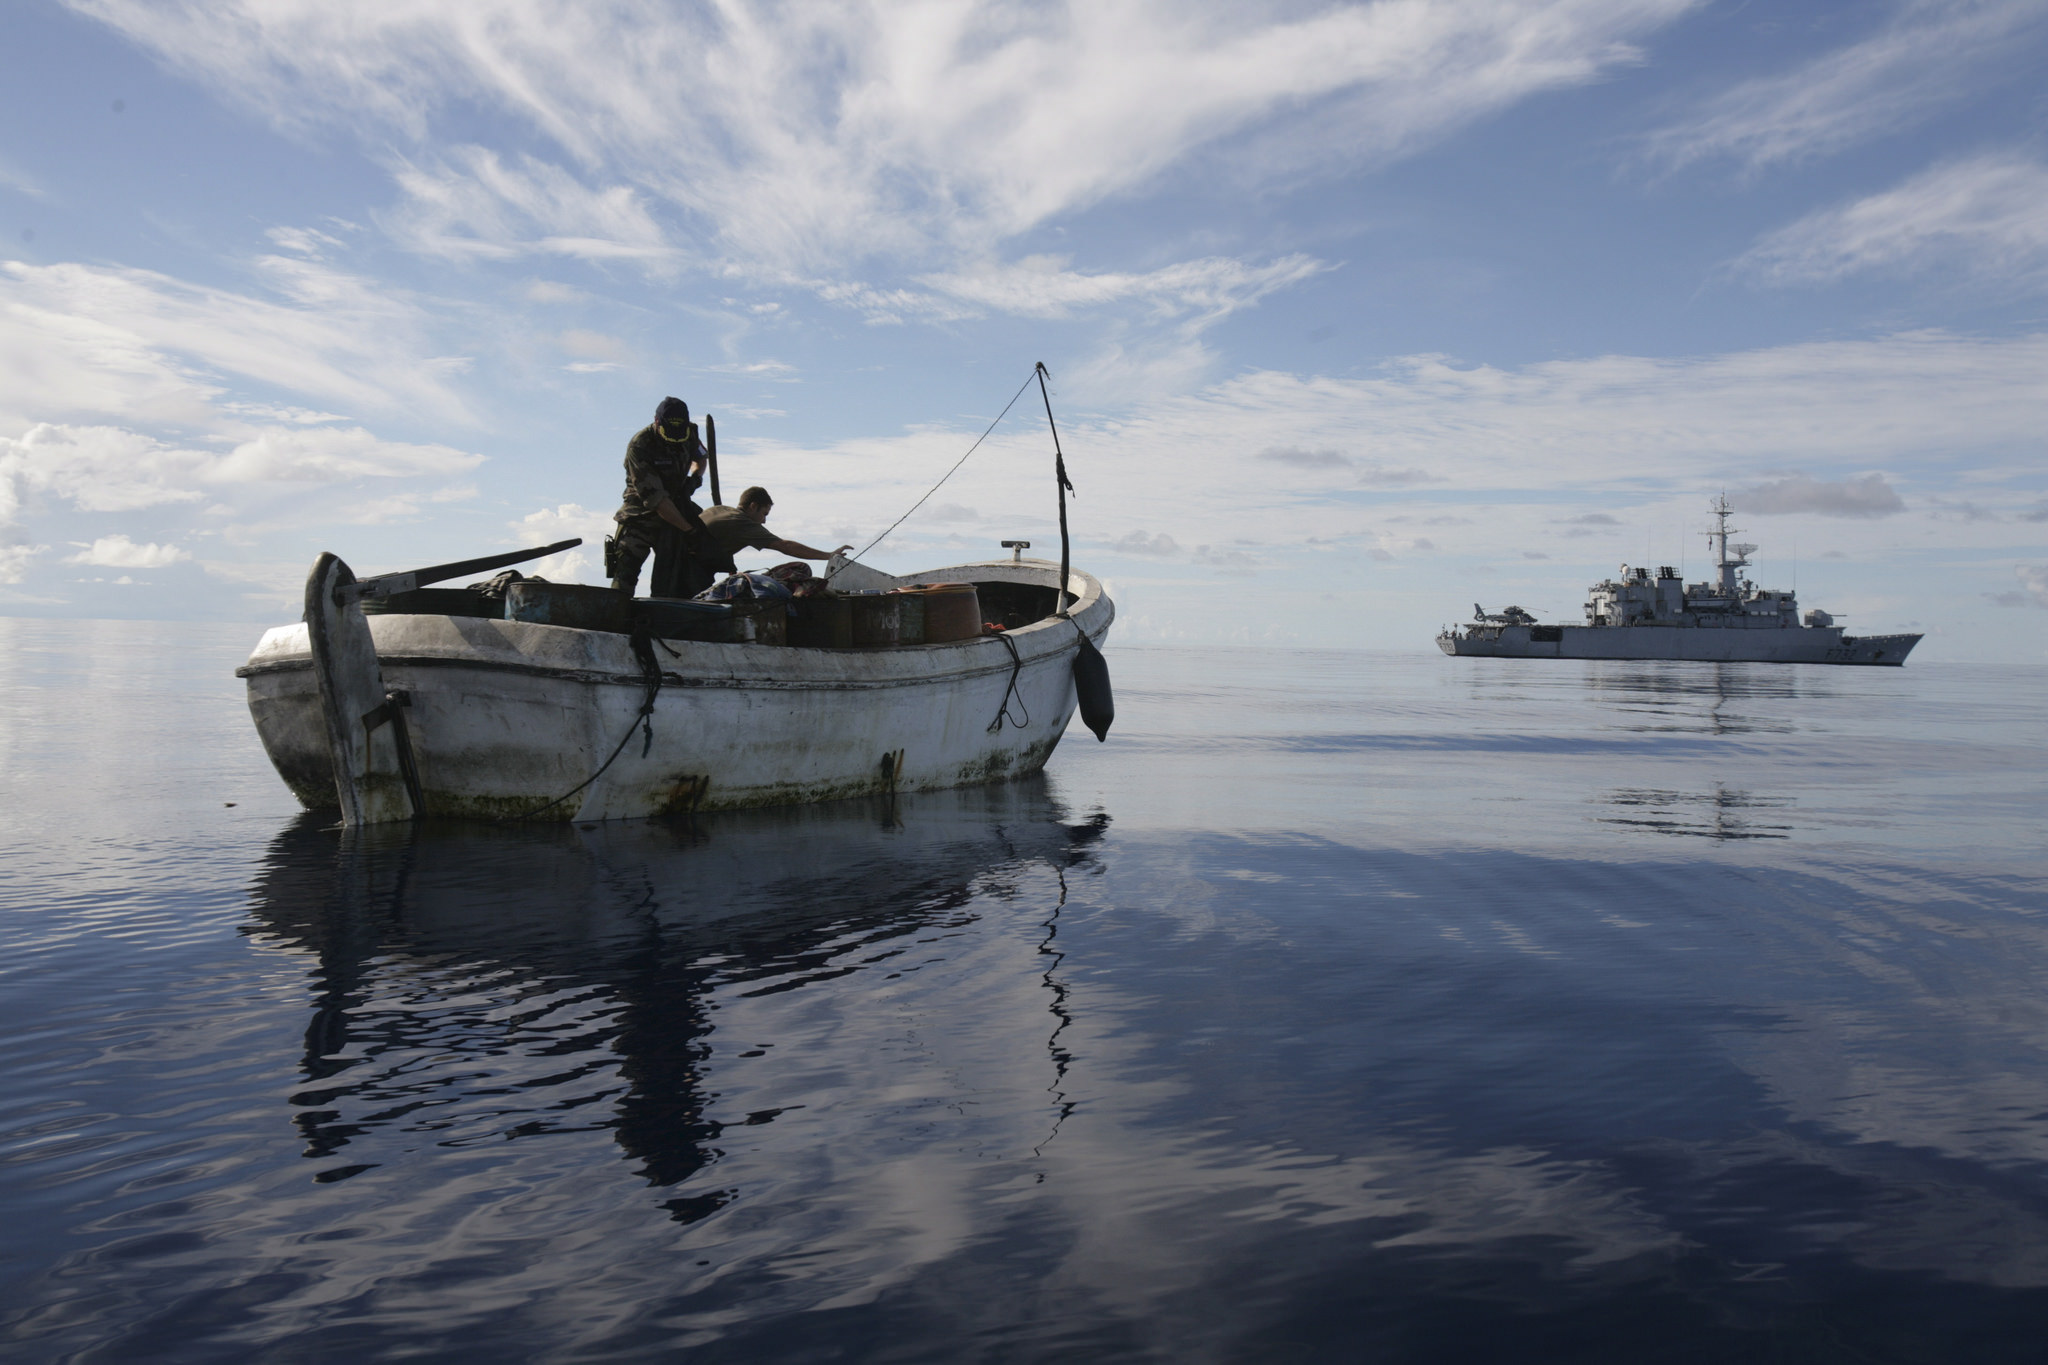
747, 587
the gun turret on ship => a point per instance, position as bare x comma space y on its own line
1643, 616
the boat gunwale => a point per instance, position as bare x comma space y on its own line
1088, 602
671, 679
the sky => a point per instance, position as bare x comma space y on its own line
1356, 314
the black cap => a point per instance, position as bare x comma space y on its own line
671, 410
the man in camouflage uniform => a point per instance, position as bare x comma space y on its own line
664, 466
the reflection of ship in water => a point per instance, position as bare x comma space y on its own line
1717, 814
1707, 698
600, 948
1714, 700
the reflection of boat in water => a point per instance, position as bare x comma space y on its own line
1638, 616
579, 703
1721, 814
603, 947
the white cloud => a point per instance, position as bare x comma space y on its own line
1868, 496
808, 135
1927, 53
15, 558
2034, 582
550, 291
1988, 215
95, 468
593, 346
278, 581
111, 469
309, 242
601, 353
1225, 557
1043, 287
1365, 472
1307, 459
1132, 370
280, 412
119, 552
2032, 591
585, 563
79, 340
21, 183
402, 507
328, 454
1605, 431
472, 205
1198, 292
158, 356
758, 369
1138, 543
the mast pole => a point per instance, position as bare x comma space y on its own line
711, 457
1059, 465
1718, 539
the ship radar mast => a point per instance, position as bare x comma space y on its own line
1728, 559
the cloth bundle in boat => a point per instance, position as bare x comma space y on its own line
497, 586
747, 587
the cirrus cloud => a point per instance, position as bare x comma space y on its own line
1987, 215
799, 134
1920, 56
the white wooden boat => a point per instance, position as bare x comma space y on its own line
404, 715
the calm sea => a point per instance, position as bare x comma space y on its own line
1342, 1007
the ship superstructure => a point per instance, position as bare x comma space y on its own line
1640, 615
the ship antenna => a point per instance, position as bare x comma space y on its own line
1718, 538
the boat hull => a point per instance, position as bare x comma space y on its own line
1787, 645
505, 717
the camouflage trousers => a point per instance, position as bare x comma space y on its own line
677, 571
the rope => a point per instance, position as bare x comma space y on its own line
643, 650
954, 470
1016, 667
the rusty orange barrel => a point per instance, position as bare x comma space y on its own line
952, 611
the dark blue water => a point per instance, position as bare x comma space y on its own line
1342, 1007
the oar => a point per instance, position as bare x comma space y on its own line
711, 457
384, 585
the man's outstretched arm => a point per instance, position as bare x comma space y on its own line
799, 550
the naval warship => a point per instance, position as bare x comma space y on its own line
1638, 616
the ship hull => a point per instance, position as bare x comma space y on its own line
505, 718
1785, 645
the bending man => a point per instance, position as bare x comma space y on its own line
729, 530
664, 466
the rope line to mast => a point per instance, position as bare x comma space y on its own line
951, 472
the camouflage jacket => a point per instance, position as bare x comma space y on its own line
658, 468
